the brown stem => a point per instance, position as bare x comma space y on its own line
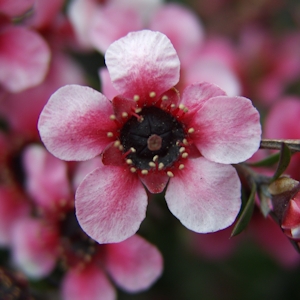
294, 145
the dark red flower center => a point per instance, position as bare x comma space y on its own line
156, 136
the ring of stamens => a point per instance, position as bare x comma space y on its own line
156, 135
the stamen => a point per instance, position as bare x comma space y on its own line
155, 158
170, 174
117, 144
185, 142
124, 114
132, 169
129, 161
191, 130
152, 164
138, 110
144, 172
182, 149
184, 155
181, 106
160, 166
181, 166
121, 148
110, 134
132, 150
164, 98
152, 94
136, 98
112, 117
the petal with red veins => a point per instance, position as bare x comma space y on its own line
142, 62
133, 264
205, 196
89, 284
34, 247
112, 156
23, 64
195, 95
110, 204
74, 123
121, 105
155, 182
46, 178
227, 129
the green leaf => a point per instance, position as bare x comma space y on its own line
246, 214
284, 160
267, 162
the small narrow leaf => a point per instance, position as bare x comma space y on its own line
285, 157
267, 162
246, 214
265, 201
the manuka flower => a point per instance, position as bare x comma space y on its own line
150, 136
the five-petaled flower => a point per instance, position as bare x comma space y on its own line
149, 135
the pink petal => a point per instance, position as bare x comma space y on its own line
155, 182
15, 8
23, 64
142, 62
88, 284
103, 32
34, 247
106, 85
205, 196
74, 123
46, 178
110, 204
195, 95
227, 129
133, 264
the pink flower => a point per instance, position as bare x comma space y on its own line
148, 135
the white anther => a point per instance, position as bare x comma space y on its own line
170, 174
124, 114
181, 106
173, 105
182, 149
185, 109
184, 155
132, 150
132, 169
152, 94
121, 148
144, 172
185, 142
191, 130
129, 161
164, 98
136, 97
117, 144
152, 164
181, 166
112, 117
155, 158
160, 166
138, 110
110, 134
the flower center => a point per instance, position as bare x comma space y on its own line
156, 136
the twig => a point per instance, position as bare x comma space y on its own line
294, 145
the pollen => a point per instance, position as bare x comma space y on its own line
191, 130
110, 134
132, 169
152, 164
182, 149
129, 161
144, 172
117, 144
136, 98
124, 114
170, 174
184, 155
160, 166
152, 94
